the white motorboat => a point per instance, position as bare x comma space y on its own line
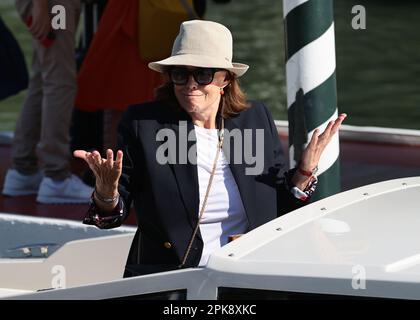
360, 243
41, 253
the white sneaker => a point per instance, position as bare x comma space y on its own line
70, 190
18, 184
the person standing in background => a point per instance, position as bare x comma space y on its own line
112, 75
41, 145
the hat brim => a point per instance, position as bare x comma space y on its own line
198, 61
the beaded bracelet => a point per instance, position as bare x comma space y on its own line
106, 200
105, 221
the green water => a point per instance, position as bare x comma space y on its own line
378, 69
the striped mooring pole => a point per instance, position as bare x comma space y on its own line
311, 84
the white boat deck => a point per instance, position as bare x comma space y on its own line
40, 254
360, 243
4, 293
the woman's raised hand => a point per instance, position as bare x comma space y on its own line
318, 143
312, 153
107, 171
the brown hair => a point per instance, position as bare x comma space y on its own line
233, 99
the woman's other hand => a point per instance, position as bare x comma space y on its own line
312, 153
107, 171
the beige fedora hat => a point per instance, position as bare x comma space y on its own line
204, 44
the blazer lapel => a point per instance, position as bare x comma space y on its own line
186, 172
246, 183
187, 177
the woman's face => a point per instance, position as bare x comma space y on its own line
199, 98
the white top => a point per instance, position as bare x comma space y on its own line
224, 214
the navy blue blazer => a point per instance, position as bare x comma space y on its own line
166, 197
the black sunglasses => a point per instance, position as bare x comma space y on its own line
203, 76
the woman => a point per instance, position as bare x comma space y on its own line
192, 187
